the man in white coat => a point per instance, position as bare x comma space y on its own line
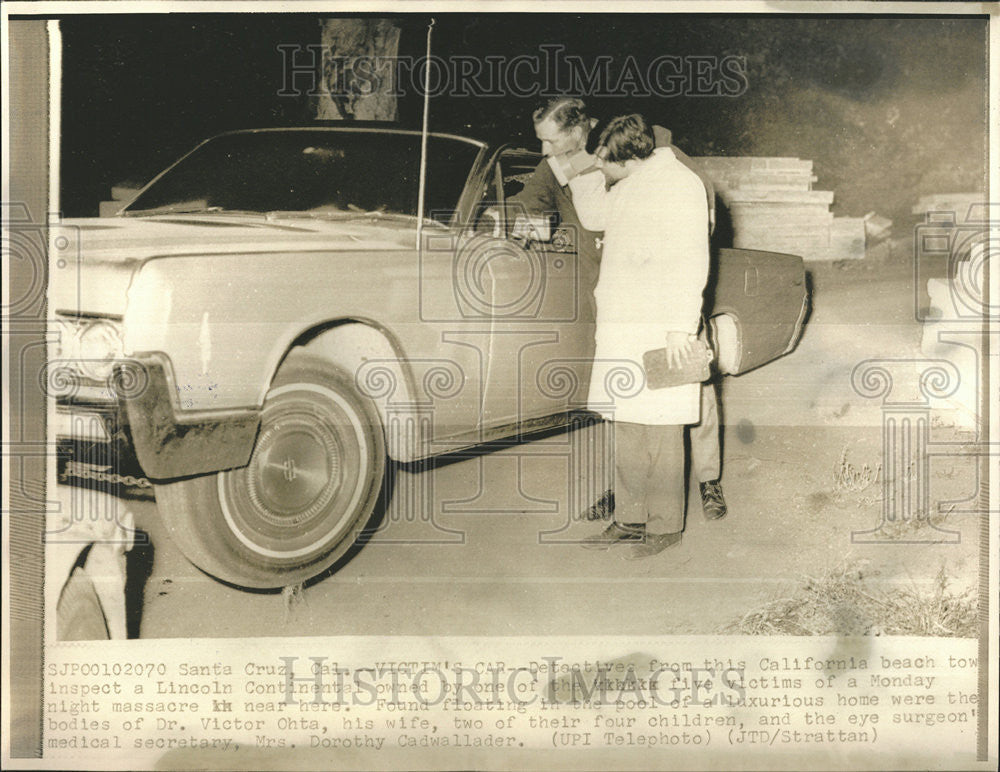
563, 126
649, 296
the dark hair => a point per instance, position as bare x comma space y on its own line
566, 112
627, 137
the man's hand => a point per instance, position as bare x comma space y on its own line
679, 348
489, 222
528, 229
569, 165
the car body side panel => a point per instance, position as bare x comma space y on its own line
224, 340
226, 321
486, 338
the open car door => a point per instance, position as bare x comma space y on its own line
758, 301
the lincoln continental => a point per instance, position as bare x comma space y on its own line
284, 314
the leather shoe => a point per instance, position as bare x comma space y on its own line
713, 505
615, 533
603, 508
653, 544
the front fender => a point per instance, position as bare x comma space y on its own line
227, 320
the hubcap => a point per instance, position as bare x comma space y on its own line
293, 467
303, 486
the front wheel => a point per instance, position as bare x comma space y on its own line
312, 483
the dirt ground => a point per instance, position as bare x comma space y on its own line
493, 550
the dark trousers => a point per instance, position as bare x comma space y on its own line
706, 461
649, 476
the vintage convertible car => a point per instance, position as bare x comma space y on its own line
269, 323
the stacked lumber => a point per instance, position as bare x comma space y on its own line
772, 206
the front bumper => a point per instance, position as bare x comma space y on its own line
135, 431
171, 442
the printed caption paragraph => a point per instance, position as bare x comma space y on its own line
343, 701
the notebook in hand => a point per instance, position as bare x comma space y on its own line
694, 369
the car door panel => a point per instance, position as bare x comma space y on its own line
758, 301
542, 342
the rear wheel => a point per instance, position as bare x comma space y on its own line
311, 485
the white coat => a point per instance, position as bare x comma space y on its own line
652, 276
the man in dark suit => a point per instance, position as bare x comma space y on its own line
563, 127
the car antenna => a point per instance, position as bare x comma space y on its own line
423, 140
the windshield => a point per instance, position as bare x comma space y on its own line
313, 172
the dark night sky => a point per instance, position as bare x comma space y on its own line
888, 108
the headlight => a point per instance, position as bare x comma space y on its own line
89, 345
100, 345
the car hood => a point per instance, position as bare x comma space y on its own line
93, 260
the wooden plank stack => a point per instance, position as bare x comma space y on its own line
773, 206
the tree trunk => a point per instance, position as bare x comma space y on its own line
358, 80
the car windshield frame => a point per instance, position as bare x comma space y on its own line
315, 172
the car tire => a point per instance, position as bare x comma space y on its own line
311, 485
